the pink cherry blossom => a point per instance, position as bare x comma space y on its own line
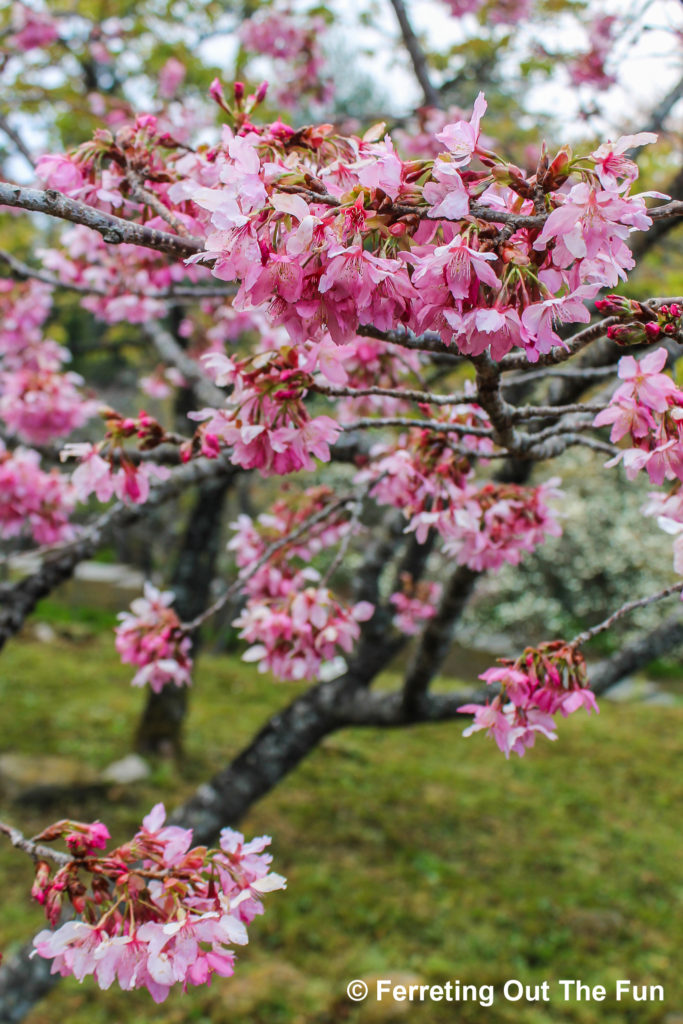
176, 928
151, 637
33, 501
462, 138
611, 164
541, 683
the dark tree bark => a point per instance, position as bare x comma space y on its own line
161, 726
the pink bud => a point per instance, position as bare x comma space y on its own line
261, 92
216, 92
239, 91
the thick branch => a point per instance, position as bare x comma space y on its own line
491, 400
114, 230
436, 639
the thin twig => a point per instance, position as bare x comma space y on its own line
238, 585
371, 423
148, 198
417, 55
625, 609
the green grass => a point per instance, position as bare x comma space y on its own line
412, 853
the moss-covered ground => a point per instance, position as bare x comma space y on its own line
410, 854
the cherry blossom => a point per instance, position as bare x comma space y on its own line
541, 683
649, 407
151, 637
32, 500
157, 911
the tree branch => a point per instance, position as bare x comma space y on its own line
34, 850
417, 56
17, 600
171, 353
114, 230
625, 609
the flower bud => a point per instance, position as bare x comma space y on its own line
41, 884
626, 334
216, 93
559, 168
618, 305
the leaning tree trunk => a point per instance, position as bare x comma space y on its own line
161, 726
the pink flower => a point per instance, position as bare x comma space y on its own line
460, 266
171, 77
88, 838
413, 609
151, 636
462, 137
611, 164
497, 722
174, 927
592, 223
652, 388
446, 194
540, 318
32, 30
32, 500
60, 172
582, 698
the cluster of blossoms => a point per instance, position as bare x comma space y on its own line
541, 683
329, 233
38, 402
124, 282
295, 46
150, 635
266, 422
105, 471
368, 363
414, 604
589, 67
649, 408
33, 500
31, 30
291, 619
497, 523
154, 912
480, 526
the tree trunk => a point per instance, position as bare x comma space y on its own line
161, 726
